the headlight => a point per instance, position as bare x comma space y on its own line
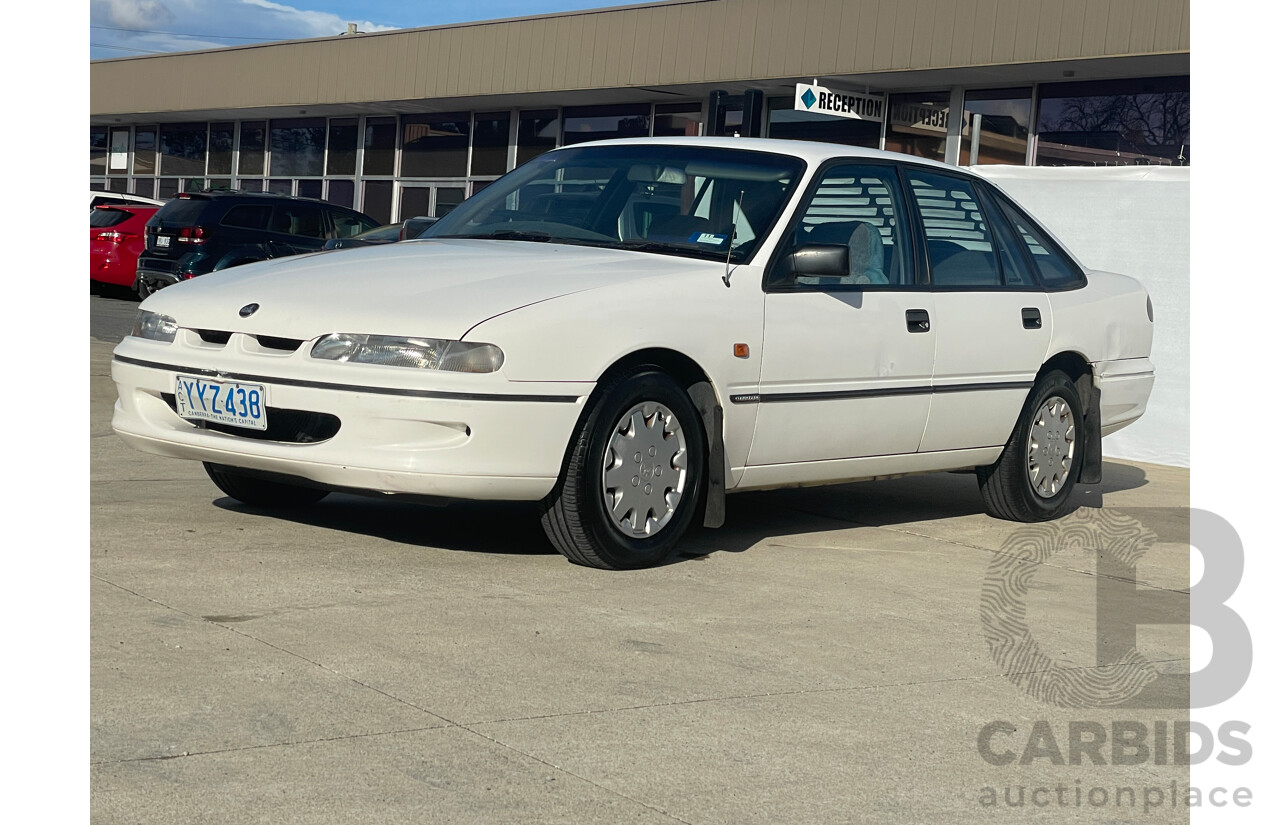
154, 326
419, 353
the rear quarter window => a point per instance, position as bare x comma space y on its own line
107, 217
248, 216
1057, 271
182, 211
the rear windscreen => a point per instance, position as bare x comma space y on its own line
182, 211
107, 217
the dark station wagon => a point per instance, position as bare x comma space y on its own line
200, 232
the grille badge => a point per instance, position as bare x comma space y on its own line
247, 310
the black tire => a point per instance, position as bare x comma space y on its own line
574, 514
1011, 489
144, 288
260, 492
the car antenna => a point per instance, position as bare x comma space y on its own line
733, 233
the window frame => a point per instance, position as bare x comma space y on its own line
911, 240
978, 185
1008, 205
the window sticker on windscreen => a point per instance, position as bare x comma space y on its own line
708, 238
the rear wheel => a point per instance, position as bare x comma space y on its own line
260, 492
1034, 476
633, 476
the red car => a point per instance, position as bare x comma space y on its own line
116, 237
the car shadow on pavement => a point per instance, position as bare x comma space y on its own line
512, 528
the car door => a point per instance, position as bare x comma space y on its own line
848, 354
992, 318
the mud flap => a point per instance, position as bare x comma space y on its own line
1091, 461
704, 398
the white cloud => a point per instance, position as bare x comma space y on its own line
134, 26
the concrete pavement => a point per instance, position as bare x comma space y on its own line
820, 659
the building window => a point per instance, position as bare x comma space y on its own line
97, 151
584, 123
380, 147
995, 127
435, 146
118, 159
489, 144
221, 142
377, 200
253, 147
310, 188
144, 151
675, 119
182, 148
538, 133
297, 146
344, 136
785, 121
342, 192
918, 124
1115, 123
448, 198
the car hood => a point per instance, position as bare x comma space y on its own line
437, 288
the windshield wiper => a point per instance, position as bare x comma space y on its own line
642, 245
507, 235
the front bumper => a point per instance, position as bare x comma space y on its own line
154, 279
502, 442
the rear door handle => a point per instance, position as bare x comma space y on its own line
1031, 318
917, 320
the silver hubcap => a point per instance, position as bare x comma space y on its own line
1051, 446
645, 470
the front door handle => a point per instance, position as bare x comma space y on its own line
917, 320
1031, 318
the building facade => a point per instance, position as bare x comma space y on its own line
413, 121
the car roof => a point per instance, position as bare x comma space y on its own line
125, 196
812, 151
219, 194
127, 207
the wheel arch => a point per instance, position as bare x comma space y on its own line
1080, 371
706, 399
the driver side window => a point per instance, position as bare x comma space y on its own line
858, 208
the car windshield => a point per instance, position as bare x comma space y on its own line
693, 201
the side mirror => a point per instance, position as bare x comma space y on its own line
414, 227
815, 261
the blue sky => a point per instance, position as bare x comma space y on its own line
122, 28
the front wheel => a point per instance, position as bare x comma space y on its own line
632, 478
261, 492
1034, 476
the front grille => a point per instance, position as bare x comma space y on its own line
284, 344
285, 426
214, 336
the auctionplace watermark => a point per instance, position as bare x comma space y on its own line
1121, 676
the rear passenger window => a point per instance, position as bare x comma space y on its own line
957, 235
251, 216
346, 224
1056, 270
298, 219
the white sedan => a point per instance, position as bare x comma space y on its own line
625, 331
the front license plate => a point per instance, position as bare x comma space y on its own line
162, 241
226, 402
